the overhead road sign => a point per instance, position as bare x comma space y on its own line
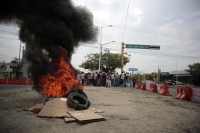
138, 46
165, 73
132, 69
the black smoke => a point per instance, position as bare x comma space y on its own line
45, 25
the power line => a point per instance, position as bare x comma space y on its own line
113, 44
153, 54
3, 32
148, 31
9, 38
12, 33
126, 20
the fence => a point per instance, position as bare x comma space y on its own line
20, 81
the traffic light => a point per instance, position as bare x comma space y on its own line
155, 47
152, 74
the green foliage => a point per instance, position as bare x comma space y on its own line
110, 61
91, 63
142, 76
194, 71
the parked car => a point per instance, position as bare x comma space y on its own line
178, 83
170, 82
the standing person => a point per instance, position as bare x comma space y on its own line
95, 79
113, 79
122, 79
86, 79
79, 77
116, 79
83, 78
89, 77
108, 80
134, 81
99, 79
103, 79
92, 80
125, 79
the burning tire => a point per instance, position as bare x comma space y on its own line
78, 101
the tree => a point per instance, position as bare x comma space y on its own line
194, 71
16, 66
110, 61
91, 63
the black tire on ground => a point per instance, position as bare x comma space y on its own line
78, 101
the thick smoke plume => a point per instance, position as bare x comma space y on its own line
45, 25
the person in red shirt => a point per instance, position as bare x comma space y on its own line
134, 81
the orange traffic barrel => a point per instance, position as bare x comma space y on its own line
143, 86
178, 91
138, 85
153, 88
164, 90
186, 93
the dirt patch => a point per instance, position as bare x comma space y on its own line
126, 110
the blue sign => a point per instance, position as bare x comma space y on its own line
132, 69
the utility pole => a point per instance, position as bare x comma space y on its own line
100, 57
158, 76
101, 51
176, 71
122, 58
19, 51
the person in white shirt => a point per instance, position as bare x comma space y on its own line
122, 79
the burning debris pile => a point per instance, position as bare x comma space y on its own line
51, 29
71, 106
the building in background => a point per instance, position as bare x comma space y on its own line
182, 76
6, 70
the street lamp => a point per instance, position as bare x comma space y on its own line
100, 57
162, 73
176, 70
101, 45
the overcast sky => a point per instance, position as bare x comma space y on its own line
172, 24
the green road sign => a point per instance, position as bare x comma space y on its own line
138, 46
165, 73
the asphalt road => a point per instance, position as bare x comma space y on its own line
10, 88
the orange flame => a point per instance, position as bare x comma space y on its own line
61, 81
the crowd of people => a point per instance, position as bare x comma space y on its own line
105, 79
